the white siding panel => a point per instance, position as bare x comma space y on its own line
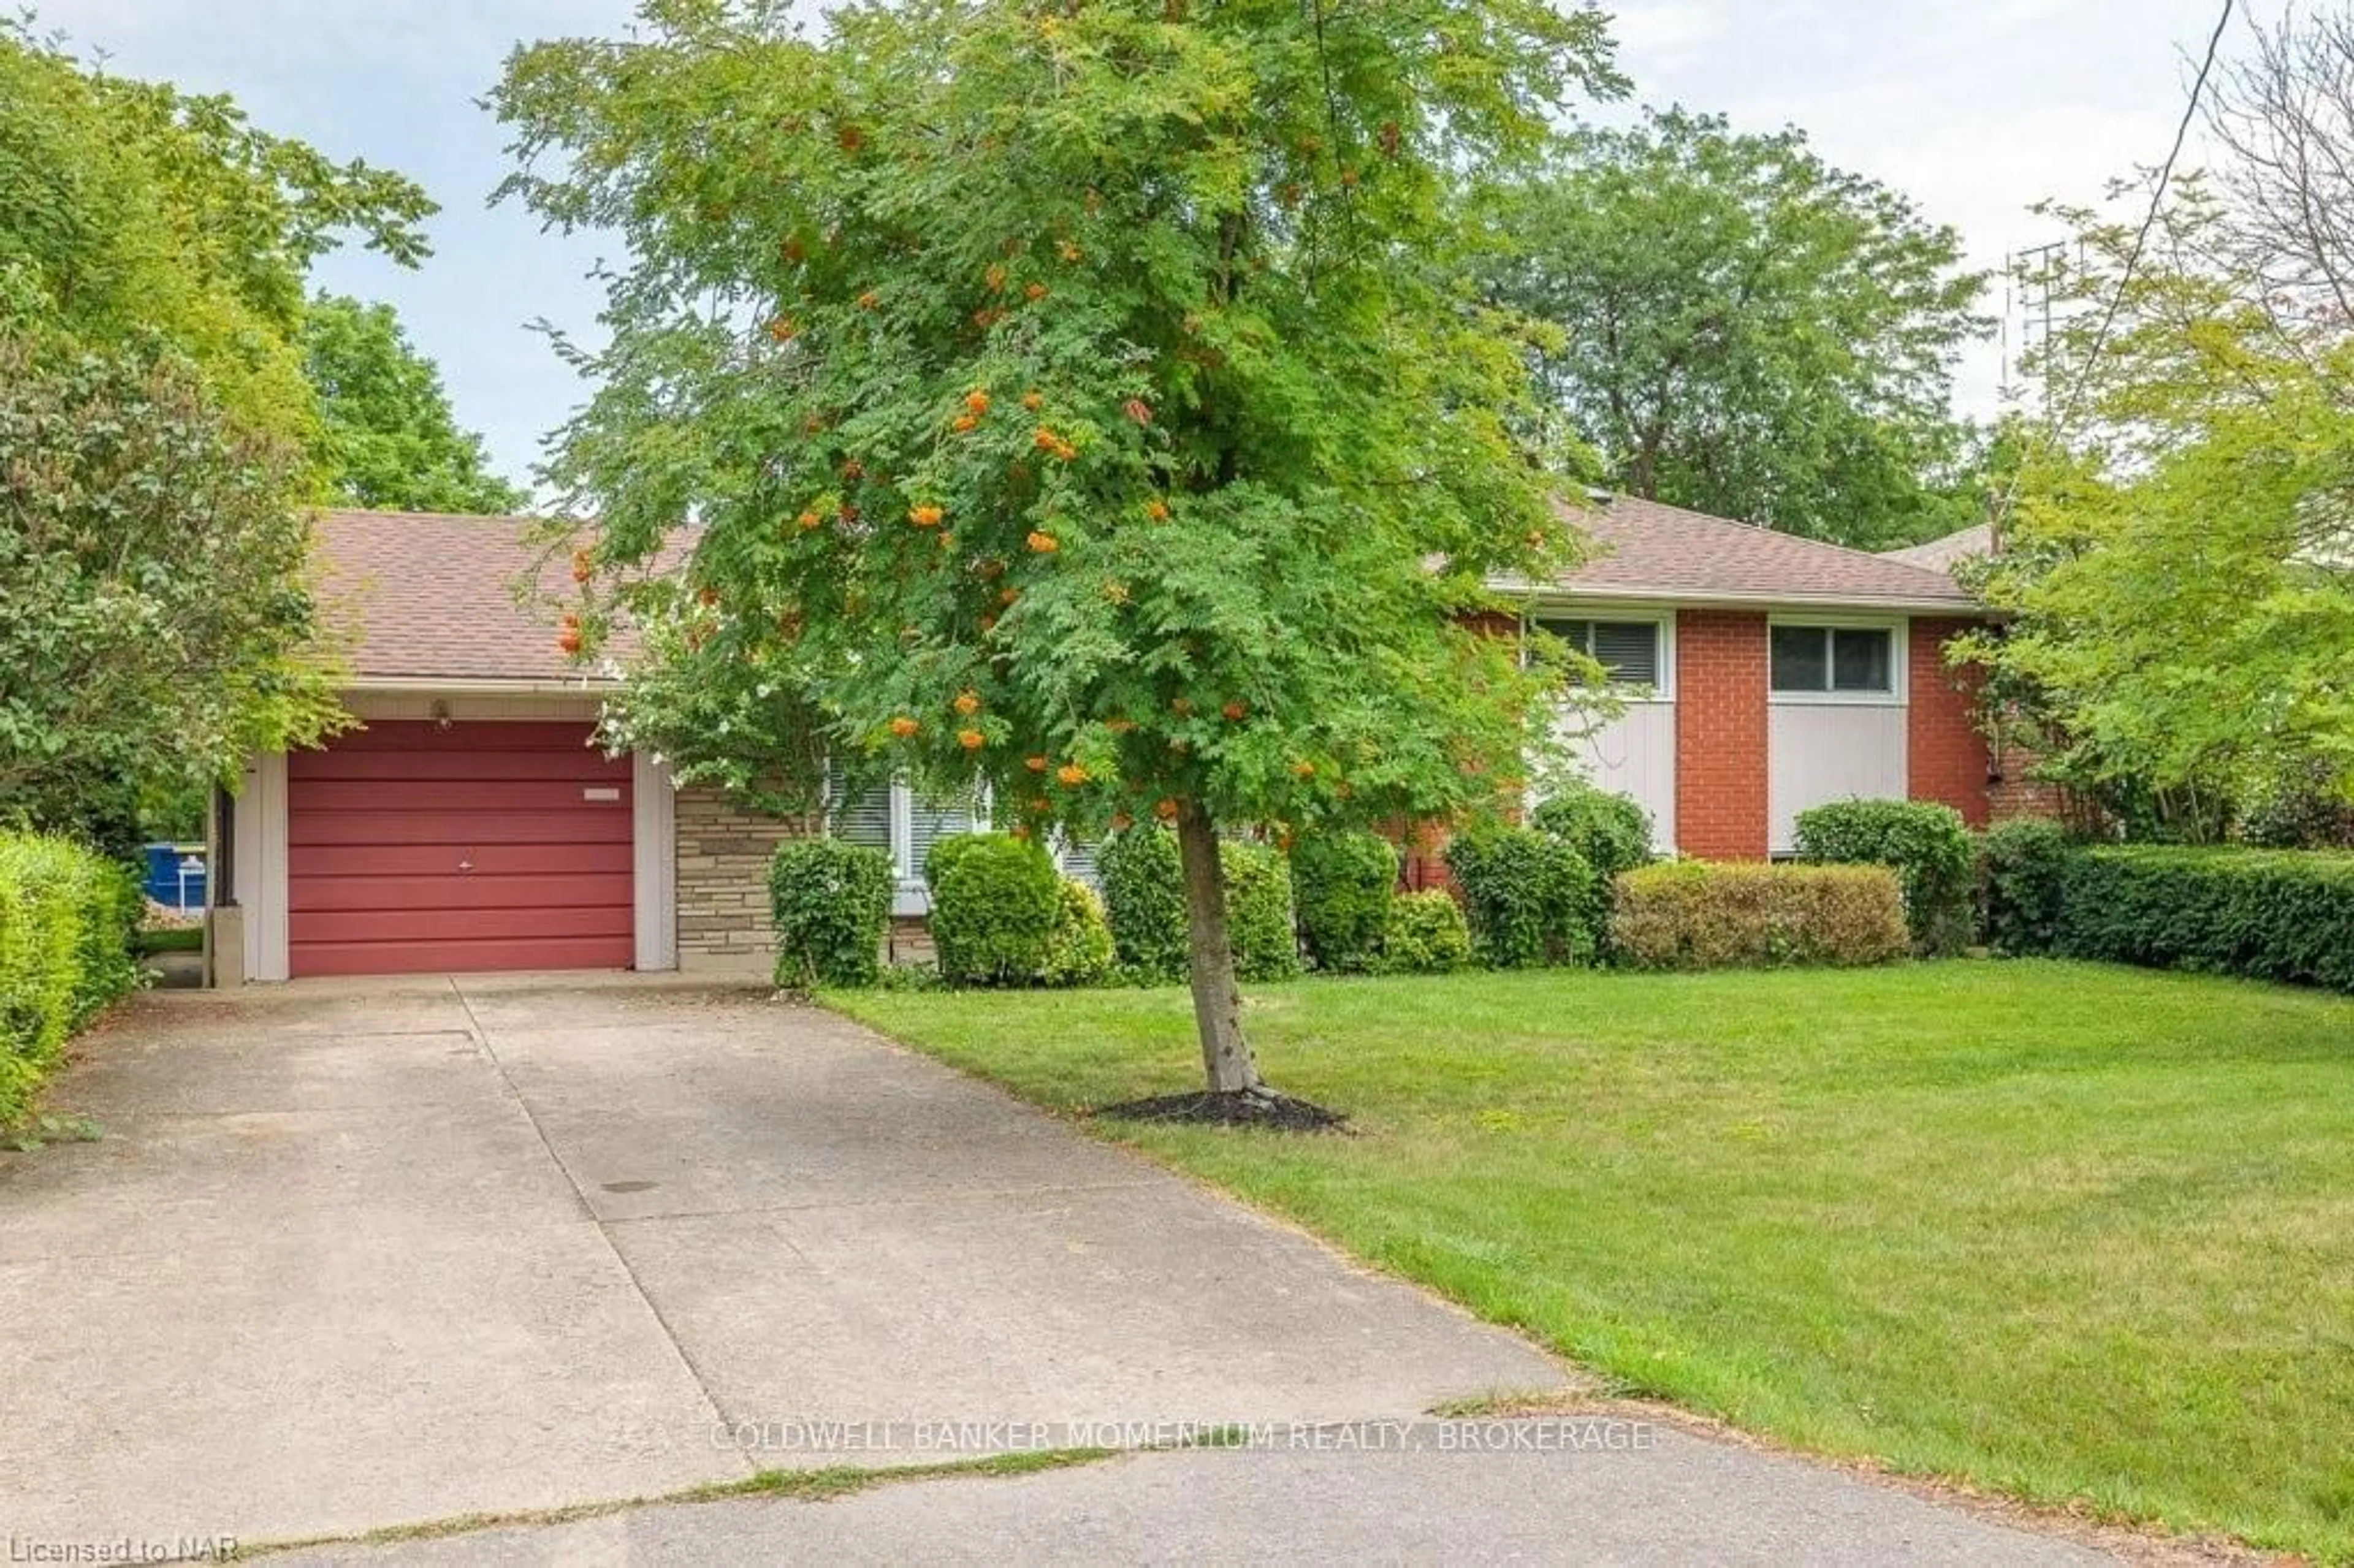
1634, 753
259, 875
1819, 752
654, 803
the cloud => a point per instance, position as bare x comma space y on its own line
1662, 28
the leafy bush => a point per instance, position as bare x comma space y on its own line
2021, 867
1258, 911
1144, 899
2278, 914
1343, 883
2300, 811
995, 902
1610, 830
832, 904
1526, 895
1691, 914
1927, 844
1425, 935
65, 918
1078, 949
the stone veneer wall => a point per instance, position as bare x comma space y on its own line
723, 881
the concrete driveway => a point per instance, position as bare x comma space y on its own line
352, 1255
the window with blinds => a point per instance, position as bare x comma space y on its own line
1628, 649
863, 818
932, 820
1078, 860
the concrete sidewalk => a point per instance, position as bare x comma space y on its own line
1681, 1502
353, 1256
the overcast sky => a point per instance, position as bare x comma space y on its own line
1973, 108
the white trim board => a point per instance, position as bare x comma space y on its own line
654, 862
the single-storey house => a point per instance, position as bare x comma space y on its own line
467, 822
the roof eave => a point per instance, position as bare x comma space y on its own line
1620, 593
479, 686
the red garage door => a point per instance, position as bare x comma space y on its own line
413, 848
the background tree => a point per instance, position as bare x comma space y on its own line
129, 210
2180, 560
1075, 394
154, 625
1745, 330
388, 437
156, 434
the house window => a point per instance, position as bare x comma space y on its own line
895, 818
1628, 649
1844, 660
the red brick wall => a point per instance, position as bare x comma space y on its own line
1947, 756
1721, 734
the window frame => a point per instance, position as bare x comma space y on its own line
1898, 630
1662, 622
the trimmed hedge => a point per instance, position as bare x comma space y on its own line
1927, 844
65, 918
1527, 896
1425, 935
1692, 915
1343, 884
2276, 915
1611, 831
995, 900
1144, 900
830, 903
2021, 867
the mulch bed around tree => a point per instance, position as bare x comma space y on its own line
1243, 1108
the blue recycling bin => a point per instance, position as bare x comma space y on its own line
176, 876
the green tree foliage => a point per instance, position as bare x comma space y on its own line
1083, 398
388, 438
154, 623
128, 209
1745, 330
156, 433
2180, 563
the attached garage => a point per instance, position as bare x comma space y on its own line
416, 847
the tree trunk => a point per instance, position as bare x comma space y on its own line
1210, 953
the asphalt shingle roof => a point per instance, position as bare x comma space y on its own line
427, 596
1649, 551
422, 597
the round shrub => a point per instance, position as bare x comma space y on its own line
2022, 865
1425, 935
1610, 832
1527, 896
1144, 902
1343, 884
1144, 899
1078, 948
1928, 845
994, 900
831, 902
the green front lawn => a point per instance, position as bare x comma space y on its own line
2069, 1231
